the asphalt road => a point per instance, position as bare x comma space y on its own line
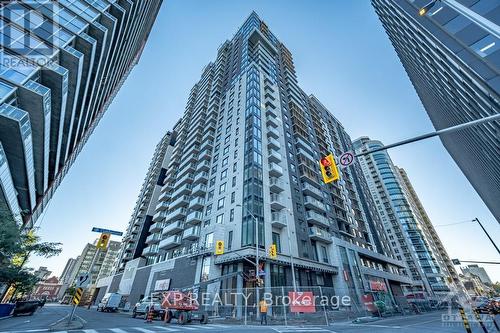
98, 322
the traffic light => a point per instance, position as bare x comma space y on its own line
103, 241
273, 252
329, 169
219, 247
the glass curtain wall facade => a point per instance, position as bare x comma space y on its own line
407, 231
61, 64
454, 65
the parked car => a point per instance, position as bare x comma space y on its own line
142, 308
110, 302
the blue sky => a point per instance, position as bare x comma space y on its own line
341, 54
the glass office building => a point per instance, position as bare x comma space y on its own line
454, 65
410, 232
61, 64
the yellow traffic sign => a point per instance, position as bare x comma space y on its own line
329, 169
78, 296
273, 251
219, 247
103, 241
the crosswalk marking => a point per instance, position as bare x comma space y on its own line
300, 329
166, 329
143, 330
90, 331
202, 327
117, 330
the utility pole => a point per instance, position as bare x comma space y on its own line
488, 235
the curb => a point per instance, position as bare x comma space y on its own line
6, 317
61, 325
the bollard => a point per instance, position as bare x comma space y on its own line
465, 320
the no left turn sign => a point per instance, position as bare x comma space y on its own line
346, 159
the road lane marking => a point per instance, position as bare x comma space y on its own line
220, 326
117, 330
203, 327
166, 329
301, 329
374, 325
90, 331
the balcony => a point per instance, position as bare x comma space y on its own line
189, 167
199, 189
273, 133
153, 238
159, 216
317, 219
271, 112
321, 235
180, 202
205, 155
194, 218
207, 144
192, 233
312, 203
277, 202
278, 220
152, 249
275, 170
170, 242
176, 214
173, 228
274, 156
201, 178
308, 189
197, 203
184, 189
273, 144
276, 185
203, 166
156, 227
272, 121
184, 180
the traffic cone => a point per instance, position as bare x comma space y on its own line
149, 318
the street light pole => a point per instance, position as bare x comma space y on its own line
488, 235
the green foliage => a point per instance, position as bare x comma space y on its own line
16, 246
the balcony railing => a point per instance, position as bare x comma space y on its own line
320, 235
170, 242
277, 202
317, 219
173, 228
311, 202
276, 185
192, 233
278, 220
275, 170
194, 218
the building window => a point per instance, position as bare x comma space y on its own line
231, 215
235, 166
235, 154
220, 219
220, 203
324, 253
222, 188
233, 197
223, 174
277, 241
234, 181
209, 240
205, 270
210, 195
212, 182
225, 161
226, 150
208, 210
229, 240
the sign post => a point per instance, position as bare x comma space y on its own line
76, 300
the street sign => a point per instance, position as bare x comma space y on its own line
329, 169
107, 231
346, 159
219, 247
78, 296
103, 241
302, 301
83, 280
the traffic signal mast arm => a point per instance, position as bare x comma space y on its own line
433, 134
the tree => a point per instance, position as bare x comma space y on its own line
16, 245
